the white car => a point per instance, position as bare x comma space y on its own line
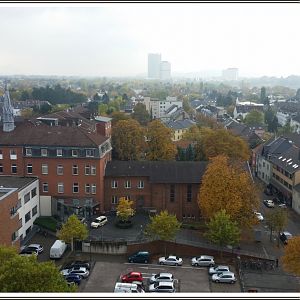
218, 270
81, 271
100, 221
162, 287
226, 277
269, 203
37, 247
171, 260
203, 261
259, 216
161, 277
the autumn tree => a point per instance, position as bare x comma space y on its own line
141, 114
276, 219
24, 274
118, 116
163, 226
128, 140
222, 231
291, 257
73, 229
226, 185
254, 117
124, 209
160, 146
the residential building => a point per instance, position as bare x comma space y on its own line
230, 74
295, 123
19, 207
154, 62
179, 127
165, 70
155, 186
243, 108
283, 118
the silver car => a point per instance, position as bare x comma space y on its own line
226, 277
203, 261
218, 270
161, 277
81, 271
170, 260
162, 287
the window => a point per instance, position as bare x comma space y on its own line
93, 188
114, 184
13, 154
75, 187
33, 192
127, 197
34, 211
74, 153
1, 168
87, 170
27, 198
60, 188
60, 170
189, 193
141, 184
44, 152
1, 154
127, 184
89, 152
114, 200
14, 236
27, 217
28, 152
44, 169
59, 152
75, 170
93, 170
14, 169
45, 187
87, 188
172, 193
29, 168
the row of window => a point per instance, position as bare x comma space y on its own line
30, 214
282, 181
127, 184
27, 197
285, 173
88, 169
89, 188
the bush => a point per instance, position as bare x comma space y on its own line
123, 224
194, 225
47, 223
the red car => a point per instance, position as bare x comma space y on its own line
132, 276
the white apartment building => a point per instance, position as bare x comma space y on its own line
159, 107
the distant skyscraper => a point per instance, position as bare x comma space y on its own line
230, 74
165, 70
154, 60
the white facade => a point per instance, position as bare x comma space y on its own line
230, 74
45, 206
296, 201
159, 107
154, 61
165, 70
30, 207
282, 118
264, 170
295, 125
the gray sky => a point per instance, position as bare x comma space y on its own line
115, 39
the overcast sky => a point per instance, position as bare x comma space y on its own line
115, 39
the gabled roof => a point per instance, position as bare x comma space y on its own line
180, 124
171, 108
242, 109
158, 171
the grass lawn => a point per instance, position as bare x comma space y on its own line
47, 222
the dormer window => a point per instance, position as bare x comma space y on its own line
59, 152
89, 152
44, 152
74, 152
28, 152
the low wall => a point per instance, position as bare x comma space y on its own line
99, 247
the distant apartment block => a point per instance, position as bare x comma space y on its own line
243, 108
158, 69
230, 74
165, 70
19, 207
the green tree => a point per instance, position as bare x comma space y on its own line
298, 94
128, 140
160, 146
93, 107
287, 128
124, 209
235, 192
163, 226
118, 116
222, 231
20, 274
276, 219
254, 117
263, 96
141, 114
271, 120
73, 229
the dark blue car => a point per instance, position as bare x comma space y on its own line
73, 278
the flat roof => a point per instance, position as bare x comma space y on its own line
103, 119
15, 181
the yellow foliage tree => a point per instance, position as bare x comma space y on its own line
124, 209
227, 186
291, 258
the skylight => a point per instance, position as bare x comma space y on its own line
283, 159
280, 157
289, 160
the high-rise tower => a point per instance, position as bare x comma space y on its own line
8, 113
154, 60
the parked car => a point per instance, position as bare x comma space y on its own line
226, 277
259, 216
162, 287
28, 252
171, 260
122, 287
161, 277
58, 249
269, 203
37, 247
218, 270
73, 278
282, 205
83, 272
139, 257
79, 263
285, 236
99, 221
203, 261
132, 276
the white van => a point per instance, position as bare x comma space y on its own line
58, 249
121, 287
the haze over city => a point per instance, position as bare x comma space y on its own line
115, 39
